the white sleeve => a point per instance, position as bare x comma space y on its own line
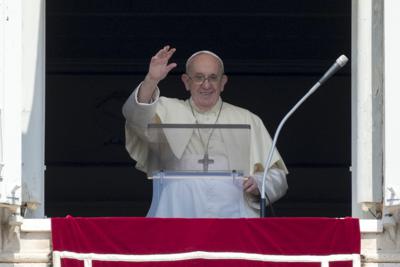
276, 187
140, 114
275, 184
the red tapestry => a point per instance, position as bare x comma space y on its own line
205, 242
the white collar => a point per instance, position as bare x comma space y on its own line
214, 110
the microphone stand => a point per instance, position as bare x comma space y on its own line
271, 151
340, 62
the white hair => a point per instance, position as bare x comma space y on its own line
189, 60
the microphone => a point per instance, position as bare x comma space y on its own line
340, 62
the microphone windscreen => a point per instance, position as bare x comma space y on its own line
342, 60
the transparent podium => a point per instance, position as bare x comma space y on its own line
198, 169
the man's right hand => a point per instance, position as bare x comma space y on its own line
158, 70
159, 67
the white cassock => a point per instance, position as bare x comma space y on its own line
201, 198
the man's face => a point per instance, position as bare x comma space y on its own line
205, 81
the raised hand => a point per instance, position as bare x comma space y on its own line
158, 69
159, 65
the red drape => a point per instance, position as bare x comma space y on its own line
144, 236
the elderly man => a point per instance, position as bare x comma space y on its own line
205, 80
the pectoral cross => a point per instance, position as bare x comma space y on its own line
205, 161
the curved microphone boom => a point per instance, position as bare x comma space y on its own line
340, 62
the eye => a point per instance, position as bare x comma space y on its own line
213, 78
198, 78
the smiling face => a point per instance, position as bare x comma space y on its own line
205, 80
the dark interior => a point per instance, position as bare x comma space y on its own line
274, 51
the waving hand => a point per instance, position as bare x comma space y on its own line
158, 69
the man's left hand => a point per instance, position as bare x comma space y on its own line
250, 186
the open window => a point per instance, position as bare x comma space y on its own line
97, 53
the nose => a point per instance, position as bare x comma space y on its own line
206, 83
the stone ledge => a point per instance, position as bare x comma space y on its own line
44, 225
36, 225
371, 226
381, 258
25, 257
25, 264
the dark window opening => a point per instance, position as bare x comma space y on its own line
274, 51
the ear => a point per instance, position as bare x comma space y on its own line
223, 82
185, 79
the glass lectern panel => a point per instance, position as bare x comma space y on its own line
200, 147
198, 169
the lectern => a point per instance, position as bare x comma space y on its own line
198, 169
